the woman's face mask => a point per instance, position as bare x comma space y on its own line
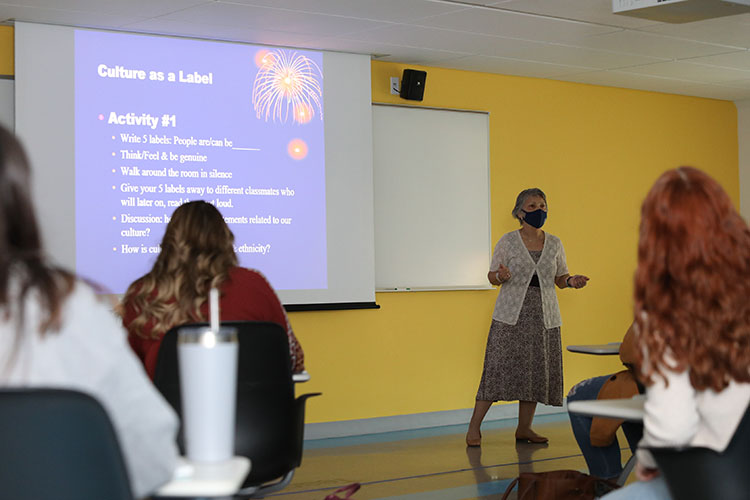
536, 218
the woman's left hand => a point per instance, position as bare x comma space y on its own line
577, 281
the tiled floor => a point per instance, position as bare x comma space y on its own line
433, 464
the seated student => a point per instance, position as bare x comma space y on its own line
56, 333
197, 254
692, 317
596, 437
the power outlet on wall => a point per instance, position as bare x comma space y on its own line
395, 86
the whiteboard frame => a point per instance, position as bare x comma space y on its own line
446, 287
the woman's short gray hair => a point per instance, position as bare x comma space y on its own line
521, 200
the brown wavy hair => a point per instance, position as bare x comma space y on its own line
197, 252
23, 266
692, 285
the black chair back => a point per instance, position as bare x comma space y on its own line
702, 473
58, 444
268, 422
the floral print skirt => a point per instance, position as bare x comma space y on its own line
523, 362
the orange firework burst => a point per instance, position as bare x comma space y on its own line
263, 57
287, 84
303, 113
297, 149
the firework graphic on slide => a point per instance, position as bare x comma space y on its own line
288, 85
297, 149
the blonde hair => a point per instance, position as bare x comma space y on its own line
197, 252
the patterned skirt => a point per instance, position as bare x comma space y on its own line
523, 362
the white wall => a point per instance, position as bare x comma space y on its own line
7, 107
743, 143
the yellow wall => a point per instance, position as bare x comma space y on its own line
595, 151
6, 51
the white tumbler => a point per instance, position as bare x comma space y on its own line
208, 385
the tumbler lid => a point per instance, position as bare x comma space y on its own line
204, 336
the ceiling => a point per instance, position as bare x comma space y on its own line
570, 40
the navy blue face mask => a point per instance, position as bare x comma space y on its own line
536, 218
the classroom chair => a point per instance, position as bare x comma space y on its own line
58, 444
269, 419
693, 473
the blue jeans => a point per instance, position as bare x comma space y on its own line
656, 489
603, 461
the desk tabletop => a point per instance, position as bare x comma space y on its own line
597, 349
627, 409
196, 479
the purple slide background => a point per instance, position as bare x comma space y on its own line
297, 255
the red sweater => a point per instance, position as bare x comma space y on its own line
245, 296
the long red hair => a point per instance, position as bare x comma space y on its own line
692, 285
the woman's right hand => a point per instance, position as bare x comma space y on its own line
643, 473
499, 276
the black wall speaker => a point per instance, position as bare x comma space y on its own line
412, 84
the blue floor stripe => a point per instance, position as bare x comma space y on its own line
469, 491
439, 473
385, 437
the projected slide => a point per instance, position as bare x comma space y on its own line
162, 121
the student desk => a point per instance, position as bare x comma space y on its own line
627, 409
194, 479
596, 349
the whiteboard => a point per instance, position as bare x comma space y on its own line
432, 198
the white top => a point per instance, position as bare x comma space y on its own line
512, 253
90, 354
677, 415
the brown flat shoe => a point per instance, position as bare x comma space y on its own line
532, 439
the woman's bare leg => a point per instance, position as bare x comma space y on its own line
474, 435
526, 411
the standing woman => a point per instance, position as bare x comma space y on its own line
523, 360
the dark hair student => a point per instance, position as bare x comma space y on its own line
55, 332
